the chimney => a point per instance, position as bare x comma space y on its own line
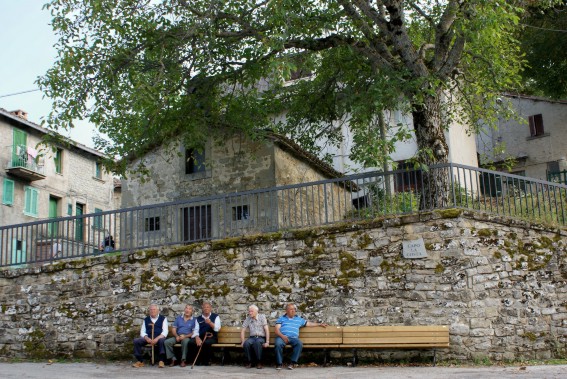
20, 113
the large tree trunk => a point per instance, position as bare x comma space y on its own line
433, 149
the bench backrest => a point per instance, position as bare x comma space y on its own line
371, 336
229, 334
396, 336
309, 335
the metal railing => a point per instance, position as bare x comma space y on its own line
356, 197
23, 156
557, 177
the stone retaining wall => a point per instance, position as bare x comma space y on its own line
501, 286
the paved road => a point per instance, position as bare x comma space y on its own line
123, 370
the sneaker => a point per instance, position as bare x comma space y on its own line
259, 366
291, 366
173, 363
138, 364
161, 364
278, 367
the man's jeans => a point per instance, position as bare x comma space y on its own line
294, 342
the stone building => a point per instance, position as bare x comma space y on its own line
41, 183
189, 182
536, 142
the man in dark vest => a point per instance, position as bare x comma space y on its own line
155, 325
207, 322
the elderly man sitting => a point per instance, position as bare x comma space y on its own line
153, 331
287, 332
183, 330
259, 337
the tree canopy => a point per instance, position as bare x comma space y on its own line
145, 71
544, 42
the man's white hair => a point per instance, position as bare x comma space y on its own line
253, 306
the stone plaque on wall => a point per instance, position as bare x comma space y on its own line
414, 249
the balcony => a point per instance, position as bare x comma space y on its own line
26, 163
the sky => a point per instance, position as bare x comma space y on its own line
28, 52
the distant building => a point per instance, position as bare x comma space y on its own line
537, 144
39, 183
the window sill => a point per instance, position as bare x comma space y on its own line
537, 137
31, 215
99, 179
199, 175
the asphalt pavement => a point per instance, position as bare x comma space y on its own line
124, 370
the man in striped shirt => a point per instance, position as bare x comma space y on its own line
287, 332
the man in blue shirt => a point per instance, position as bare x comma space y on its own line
183, 331
287, 332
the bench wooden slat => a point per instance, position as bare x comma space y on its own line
386, 341
398, 328
393, 345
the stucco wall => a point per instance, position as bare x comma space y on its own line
515, 135
500, 285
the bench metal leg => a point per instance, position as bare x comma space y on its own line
354, 357
324, 357
434, 358
223, 354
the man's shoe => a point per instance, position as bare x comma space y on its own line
183, 364
278, 367
291, 366
173, 363
248, 365
138, 364
259, 366
161, 364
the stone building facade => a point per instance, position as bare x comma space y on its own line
248, 170
39, 183
499, 284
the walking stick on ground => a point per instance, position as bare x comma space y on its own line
208, 334
152, 325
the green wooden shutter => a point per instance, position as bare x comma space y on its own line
18, 252
8, 192
31, 201
97, 222
57, 159
20, 139
52, 227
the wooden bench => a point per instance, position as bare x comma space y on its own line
395, 337
312, 338
350, 337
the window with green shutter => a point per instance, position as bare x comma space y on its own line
8, 192
98, 170
31, 201
58, 158
97, 221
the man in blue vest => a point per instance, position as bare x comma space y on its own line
155, 325
183, 330
207, 322
287, 332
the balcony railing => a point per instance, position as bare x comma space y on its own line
25, 162
357, 197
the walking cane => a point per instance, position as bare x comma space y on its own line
152, 325
208, 334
